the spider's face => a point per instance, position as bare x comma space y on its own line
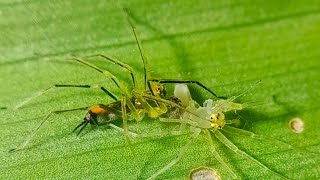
217, 120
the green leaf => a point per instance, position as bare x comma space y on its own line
226, 45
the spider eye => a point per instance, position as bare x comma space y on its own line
213, 117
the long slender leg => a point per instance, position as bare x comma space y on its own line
133, 110
125, 122
124, 116
142, 54
185, 121
174, 132
119, 63
110, 94
132, 134
236, 150
170, 120
28, 99
163, 81
161, 134
82, 128
122, 130
241, 132
104, 72
246, 91
126, 102
45, 119
181, 153
217, 155
126, 131
83, 124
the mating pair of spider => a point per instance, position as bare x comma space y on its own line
209, 119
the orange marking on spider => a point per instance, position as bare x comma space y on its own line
98, 110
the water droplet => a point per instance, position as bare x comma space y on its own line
204, 173
296, 125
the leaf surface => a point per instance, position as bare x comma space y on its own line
226, 45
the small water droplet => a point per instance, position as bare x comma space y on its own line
204, 173
296, 125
